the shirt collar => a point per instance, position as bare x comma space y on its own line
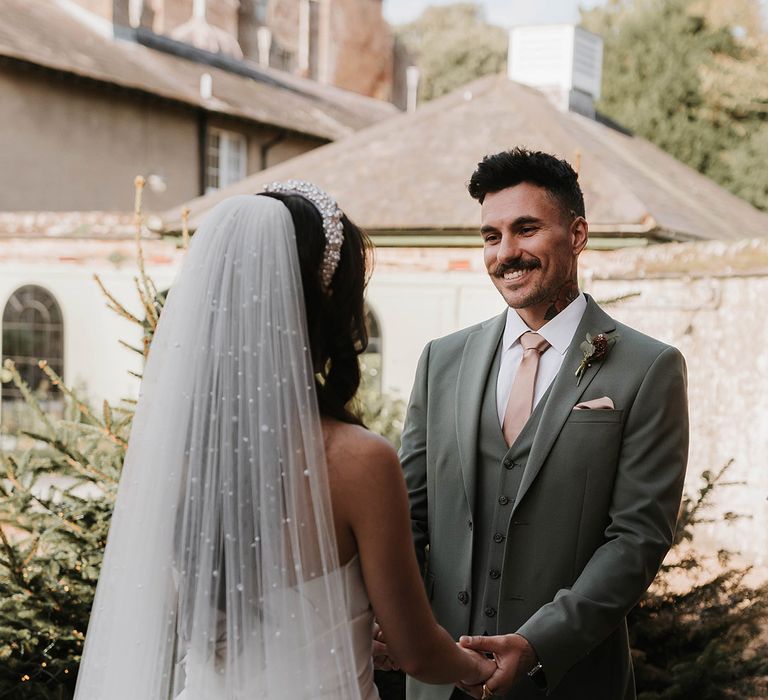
558, 332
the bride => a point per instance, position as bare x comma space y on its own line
259, 526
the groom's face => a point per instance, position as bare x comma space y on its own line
531, 247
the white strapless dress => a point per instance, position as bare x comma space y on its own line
361, 621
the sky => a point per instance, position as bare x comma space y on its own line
502, 12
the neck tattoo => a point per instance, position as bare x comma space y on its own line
561, 299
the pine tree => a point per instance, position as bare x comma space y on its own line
58, 486
57, 490
701, 630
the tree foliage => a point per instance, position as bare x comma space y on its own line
58, 484
701, 630
453, 45
692, 77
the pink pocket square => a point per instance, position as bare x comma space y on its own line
603, 402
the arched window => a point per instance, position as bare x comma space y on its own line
33, 330
371, 358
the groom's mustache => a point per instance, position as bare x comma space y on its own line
513, 266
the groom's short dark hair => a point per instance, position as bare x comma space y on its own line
509, 168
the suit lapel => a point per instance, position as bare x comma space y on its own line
565, 394
476, 360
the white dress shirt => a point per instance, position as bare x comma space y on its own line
558, 332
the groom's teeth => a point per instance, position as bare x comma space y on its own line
516, 274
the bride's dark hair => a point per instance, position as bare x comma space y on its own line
335, 321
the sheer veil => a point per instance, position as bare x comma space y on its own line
221, 578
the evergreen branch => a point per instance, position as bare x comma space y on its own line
32, 551
114, 304
702, 502
83, 408
145, 295
10, 472
94, 430
131, 347
74, 459
26, 392
68, 523
146, 301
57, 381
153, 288
16, 572
107, 416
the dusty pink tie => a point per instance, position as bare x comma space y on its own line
520, 402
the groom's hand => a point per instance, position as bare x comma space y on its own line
514, 657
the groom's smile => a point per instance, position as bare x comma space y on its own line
530, 248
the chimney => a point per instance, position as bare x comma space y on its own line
412, 77
264, 43
565, 62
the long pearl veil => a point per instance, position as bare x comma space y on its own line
221, 578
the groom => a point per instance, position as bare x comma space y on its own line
545, 471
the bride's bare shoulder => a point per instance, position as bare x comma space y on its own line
353, 451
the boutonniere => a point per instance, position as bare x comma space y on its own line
595, 348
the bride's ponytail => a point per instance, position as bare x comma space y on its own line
335, 319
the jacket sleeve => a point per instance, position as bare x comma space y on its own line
413, 455
641, 524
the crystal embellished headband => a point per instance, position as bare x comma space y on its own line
332, 226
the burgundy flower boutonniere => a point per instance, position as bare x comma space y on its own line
595, 348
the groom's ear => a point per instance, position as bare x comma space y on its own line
579, 231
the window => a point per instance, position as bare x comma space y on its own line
282, 58
33, 330
225, 159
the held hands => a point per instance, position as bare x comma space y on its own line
513, 655
482, 669
382, 661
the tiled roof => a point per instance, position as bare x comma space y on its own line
409, 173
47, 33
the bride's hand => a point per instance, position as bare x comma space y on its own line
482, 669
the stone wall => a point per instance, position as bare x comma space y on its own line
711, 301
708, 299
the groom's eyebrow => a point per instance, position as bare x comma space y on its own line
517, 223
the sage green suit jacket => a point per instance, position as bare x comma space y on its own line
594, 515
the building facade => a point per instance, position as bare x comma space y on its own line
87, 104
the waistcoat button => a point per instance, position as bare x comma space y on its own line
494, 574
463, 597
508, 463
490, 612
503, 500
498, 537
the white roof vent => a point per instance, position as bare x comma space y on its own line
563, 61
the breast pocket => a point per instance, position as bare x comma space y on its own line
596, 415
591, 437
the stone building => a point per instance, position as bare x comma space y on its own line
88, 102
346, 43
671, 253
